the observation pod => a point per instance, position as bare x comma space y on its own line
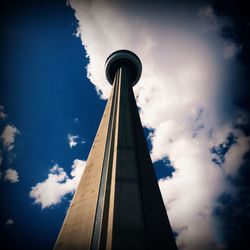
118, 204
123, 59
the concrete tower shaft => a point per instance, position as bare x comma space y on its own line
118, 204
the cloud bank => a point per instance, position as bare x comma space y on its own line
58, 184
184, 96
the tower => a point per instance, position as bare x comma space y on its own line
118, 204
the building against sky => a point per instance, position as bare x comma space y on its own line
118, 204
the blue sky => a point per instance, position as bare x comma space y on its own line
46, 96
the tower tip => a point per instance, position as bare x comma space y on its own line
121, 58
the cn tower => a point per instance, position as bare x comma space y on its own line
118, 204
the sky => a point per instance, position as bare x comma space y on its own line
193, 98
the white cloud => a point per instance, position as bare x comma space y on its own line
9, 222
72, 140
11, 175
58, 184
230, 50
191, 193
8, 136
2, 114
180, 93
234, 156
207, 12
